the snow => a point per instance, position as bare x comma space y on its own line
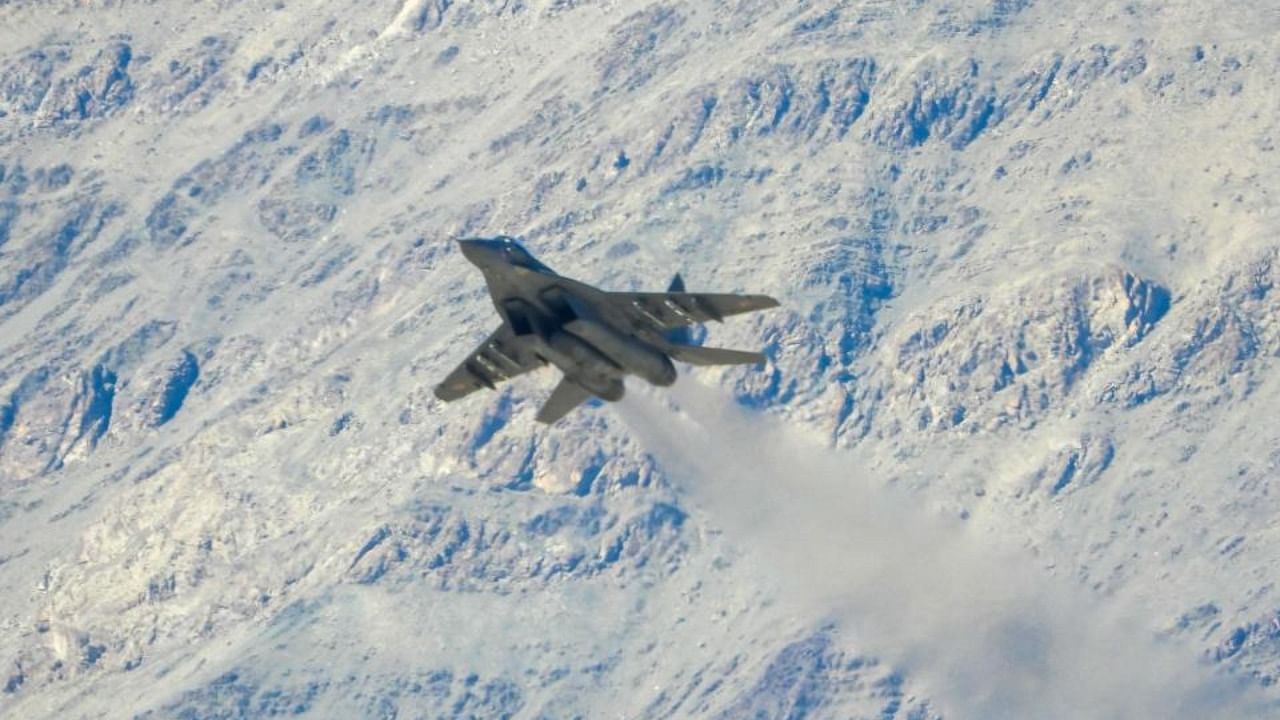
971, 212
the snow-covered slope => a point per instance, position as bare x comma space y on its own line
1027, 256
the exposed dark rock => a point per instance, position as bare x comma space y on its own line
341, 423
95, 91
50, 253
632, 56
447, 55
1148, 303
98, 391
8, 214
944, 102
248, 163
1082, 465
181, 378
31, 384
314, 125
430, 16
25, 82
55, 178
129, 353
190, 80
696, 178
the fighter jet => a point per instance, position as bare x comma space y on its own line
593, 336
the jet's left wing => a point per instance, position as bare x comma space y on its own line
499, 358
670, 310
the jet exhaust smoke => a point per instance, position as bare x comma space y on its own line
984, 632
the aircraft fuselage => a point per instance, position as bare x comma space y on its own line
561, 321
595, 337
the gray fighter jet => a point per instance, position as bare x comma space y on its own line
593, 336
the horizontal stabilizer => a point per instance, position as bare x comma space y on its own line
695, 355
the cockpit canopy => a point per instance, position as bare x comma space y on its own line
517, 255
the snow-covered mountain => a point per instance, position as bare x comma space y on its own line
1014, 455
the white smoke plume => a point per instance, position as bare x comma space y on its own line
984, 632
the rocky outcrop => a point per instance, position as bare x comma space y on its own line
1009, 356
303, 206
473, 555
28, 78
96, 90
190, 80
249, 162
58, 414
179, 378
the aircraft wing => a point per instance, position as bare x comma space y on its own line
567, 396
499, 358
669, 310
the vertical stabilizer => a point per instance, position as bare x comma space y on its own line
681, 335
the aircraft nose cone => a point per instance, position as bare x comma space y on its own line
470, 249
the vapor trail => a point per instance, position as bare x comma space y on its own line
985, 632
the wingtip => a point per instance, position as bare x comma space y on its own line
447, 393
761, 302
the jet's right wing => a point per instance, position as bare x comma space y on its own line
567, 396
498, 358
669, 310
